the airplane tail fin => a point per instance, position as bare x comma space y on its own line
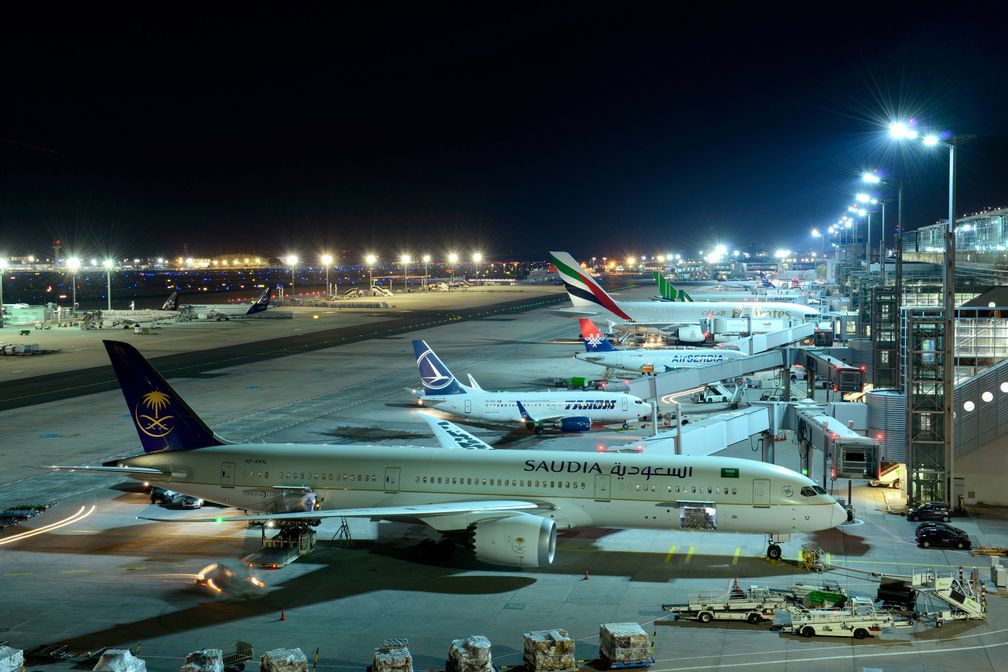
593, 339
172, 303
262, 303
162, 419
434, 375
582, 289
766, 280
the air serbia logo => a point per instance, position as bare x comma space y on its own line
430, 372
594, 340
151, 414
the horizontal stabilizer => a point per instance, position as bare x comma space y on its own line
108, 470
386, 512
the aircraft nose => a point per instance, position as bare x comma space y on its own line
839, 515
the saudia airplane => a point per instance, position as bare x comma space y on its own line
505, 506
598, 350
585, 293
569, 411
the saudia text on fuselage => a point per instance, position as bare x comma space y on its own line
618, 470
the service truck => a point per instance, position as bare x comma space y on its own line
753, 605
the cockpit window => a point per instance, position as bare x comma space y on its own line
812, 491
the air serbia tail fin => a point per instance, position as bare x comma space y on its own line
262, 303
434, 375
172, 303
593, 339
582, 290
162, 419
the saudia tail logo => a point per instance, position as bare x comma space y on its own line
151, 417
430, 372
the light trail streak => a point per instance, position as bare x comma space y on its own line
80, 515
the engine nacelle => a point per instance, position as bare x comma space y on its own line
580, 424
521, 540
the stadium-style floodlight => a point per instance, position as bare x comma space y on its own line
292, 261
426, 265
108, 264
930, 140
862, 198
477, 257
871, 178
452, 259
73, 263
371, 259
405, 259
327, 262
3, 269
899, 130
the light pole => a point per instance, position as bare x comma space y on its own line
292, 261
405, 270
370, 259
815, 234
453, 259
477, 258
3, 270
873, 178
901, 131
426, 263
108, 264
73, 263
327, 262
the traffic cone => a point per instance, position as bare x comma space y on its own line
283, 614
586, 577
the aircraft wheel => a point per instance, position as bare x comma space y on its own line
626, 426
538, 430
773, 552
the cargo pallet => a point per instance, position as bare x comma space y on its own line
609, 665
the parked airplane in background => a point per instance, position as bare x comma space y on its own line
568, 410
667, 292
506, 506
227, 311
598, 350
590, 299
169, 311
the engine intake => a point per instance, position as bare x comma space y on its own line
520, 540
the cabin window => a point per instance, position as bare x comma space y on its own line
424, 479
521, 483
717, 491
417, 479
710, 490
484, 481
330, 477
693, 490
677, 488
733, 491
567, 485
469, 481
537, 483
637, 487
302, 475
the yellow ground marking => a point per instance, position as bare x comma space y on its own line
689, 556
135, 569
17, 573
738, 552
75, 571
671, 551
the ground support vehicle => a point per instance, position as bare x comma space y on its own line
813, 558
289, 544
235, 660
753, 605
824, 595
859, 619
965, 598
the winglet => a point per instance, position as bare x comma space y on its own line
472, 382
450, 435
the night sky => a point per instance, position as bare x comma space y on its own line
604, 129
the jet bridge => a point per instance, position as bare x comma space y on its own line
852, 455
762, 357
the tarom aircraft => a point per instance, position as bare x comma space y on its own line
598, 350
169, 311
226, 311
506, 506
567, 410
587, 295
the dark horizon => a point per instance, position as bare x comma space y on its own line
592, 128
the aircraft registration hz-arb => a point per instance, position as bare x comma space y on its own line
506, 506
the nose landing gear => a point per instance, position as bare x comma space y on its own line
773, 545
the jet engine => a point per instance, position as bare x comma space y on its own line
520, 540
580, 424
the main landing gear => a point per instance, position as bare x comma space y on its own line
428, 549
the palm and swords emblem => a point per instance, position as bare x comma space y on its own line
149, 414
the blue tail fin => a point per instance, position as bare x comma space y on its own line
162, 419
172, 303
593, 339
262, 303
434, 375
766, 281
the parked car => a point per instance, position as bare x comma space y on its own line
929, 511
161, 496
190, 502
950, 537
934, 525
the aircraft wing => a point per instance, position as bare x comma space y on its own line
450, 435
527, 417
407, 511
109, 470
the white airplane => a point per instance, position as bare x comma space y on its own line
598, 350
168, 311
226, 311
569, 410
585, 293
506, 506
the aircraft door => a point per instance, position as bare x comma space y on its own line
391, 479
468, 406
761, 493
625, 404
227, 474
602, 487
